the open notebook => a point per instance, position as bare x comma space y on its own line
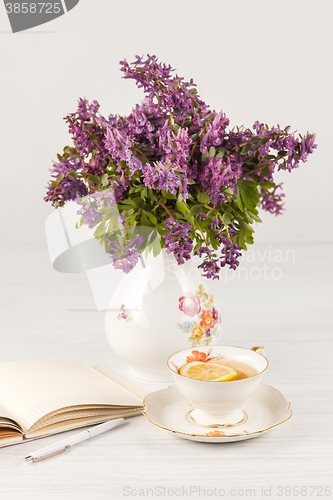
39, 398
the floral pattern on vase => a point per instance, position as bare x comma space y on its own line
204, 316
124, 314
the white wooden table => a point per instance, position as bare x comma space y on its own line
47, 315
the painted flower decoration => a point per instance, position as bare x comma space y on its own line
207, 320
197, 356
124, 314
216, 315
198, 332
216, 434
190, 304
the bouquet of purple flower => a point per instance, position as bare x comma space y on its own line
179, 178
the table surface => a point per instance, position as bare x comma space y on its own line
282, 300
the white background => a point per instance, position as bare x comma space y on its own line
260, 60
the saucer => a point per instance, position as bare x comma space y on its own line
169, 410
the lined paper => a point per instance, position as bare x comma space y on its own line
34, 389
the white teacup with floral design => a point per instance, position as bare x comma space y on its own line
218, 403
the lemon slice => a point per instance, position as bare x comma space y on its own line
208, 371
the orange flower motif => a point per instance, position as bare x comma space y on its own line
216, 433
207, 320
197, 356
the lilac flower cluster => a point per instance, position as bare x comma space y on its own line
174, 165
271, 201
178, 241
161, 176
126, 256
122, 250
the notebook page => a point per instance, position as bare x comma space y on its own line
35, 388
4, 413
118, 379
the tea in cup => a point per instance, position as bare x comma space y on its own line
217, 381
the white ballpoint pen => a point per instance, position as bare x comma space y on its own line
65, 444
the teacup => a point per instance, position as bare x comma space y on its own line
218, 403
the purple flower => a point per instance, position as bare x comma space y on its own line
89, 213
215, 224
230, 253
157, 80
211, 268
125, 255
160, 176
215, 133
271, 201
119, 146
173, 142
69, 188
177, 241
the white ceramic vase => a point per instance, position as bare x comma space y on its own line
158, 309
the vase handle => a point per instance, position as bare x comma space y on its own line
259, 350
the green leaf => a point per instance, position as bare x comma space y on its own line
181, 205
167, 195
249, 193
221, 153
175, 128
60, 178
247, 229
129, 202
189, 218
263, 141
212, 212
249, 239
245, 149
94, 179
203, 198
79, 223
247, 217
151, 217
100, 230
204, 157
239, 200
152, 195
255, 217
144, 219
144, 193
72, 174
226, 219
195, 210
105, 179
267, 185
156, 245
212, 151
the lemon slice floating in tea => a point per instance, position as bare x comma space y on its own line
208, 371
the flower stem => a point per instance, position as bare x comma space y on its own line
199, 137
202, 234
166, 209
141, 153
255, 170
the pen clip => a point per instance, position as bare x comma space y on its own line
30, 458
